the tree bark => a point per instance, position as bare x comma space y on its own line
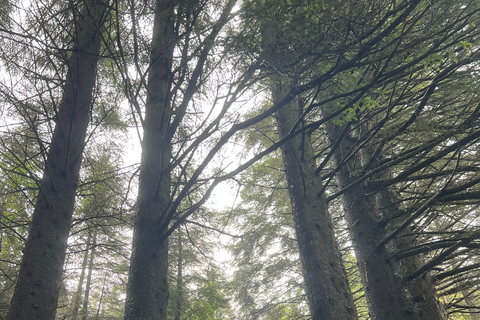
327, 287
388, 296
37, 289
147, 289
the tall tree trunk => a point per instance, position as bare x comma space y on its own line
325, 277
389, 297
147, 289
78, 293
88, 285
37, 289
178, 309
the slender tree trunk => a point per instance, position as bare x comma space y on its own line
325, 277
1, 230
389, 297
37, 289
88, 285
178, 309
99, 308
78, 293
147, 289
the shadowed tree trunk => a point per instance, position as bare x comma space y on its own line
147, 289
37, 289
388, 295
324, 274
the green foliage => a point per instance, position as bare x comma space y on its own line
205, 291
19, 166
378, 83
100, 210
268, 278
209, 301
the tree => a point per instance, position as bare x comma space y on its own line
98, 237
324, 274
38, 283
393, 83
198, 285
325, 278
147, 291
384, 50
268, 273
375, 209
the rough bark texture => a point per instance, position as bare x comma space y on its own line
37, 289
325, 278
389, 297
147, 289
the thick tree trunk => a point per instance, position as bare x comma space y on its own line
389, 297
37, 289
325, 278
147, 289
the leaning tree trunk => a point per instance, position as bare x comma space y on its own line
327, 287
389, 296
147, 289
37, 289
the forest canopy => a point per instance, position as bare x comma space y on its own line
228, 159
